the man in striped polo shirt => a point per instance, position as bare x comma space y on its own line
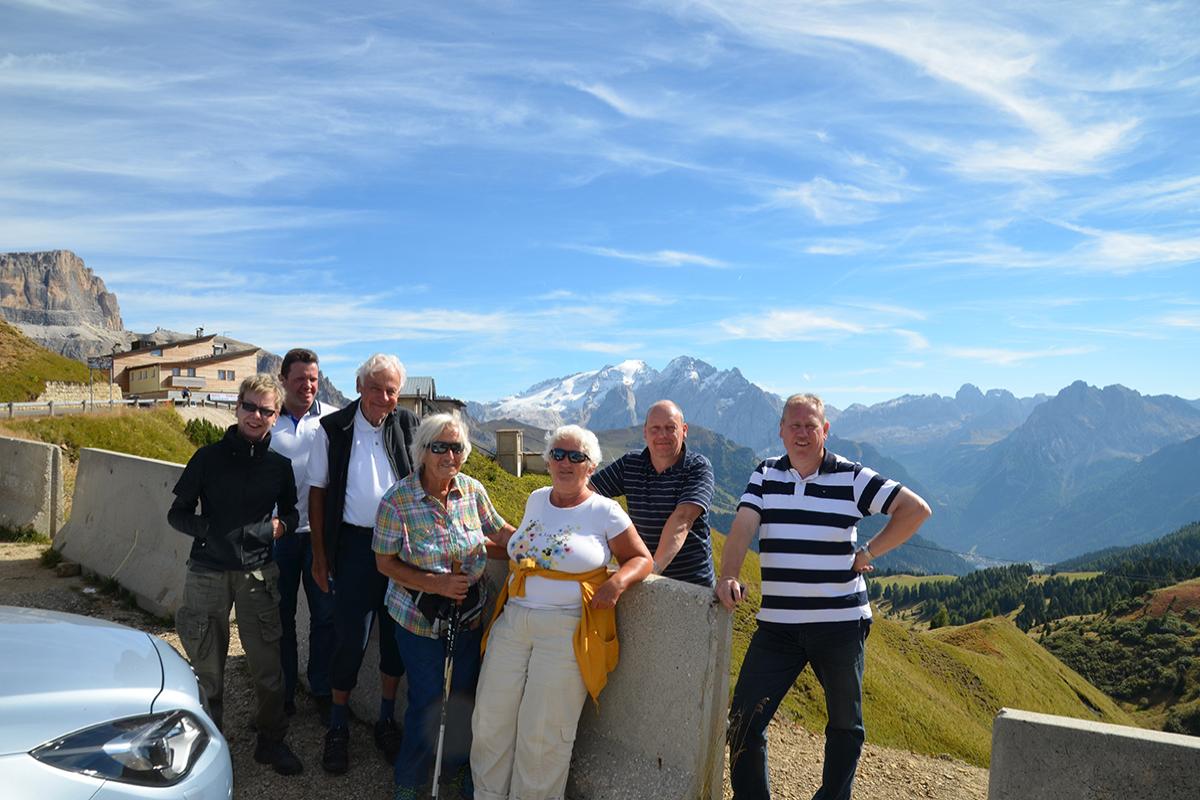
668, 489
805, 507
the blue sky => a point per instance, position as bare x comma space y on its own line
855, 198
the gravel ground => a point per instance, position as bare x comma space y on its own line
883, 774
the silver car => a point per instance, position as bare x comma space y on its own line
97, 711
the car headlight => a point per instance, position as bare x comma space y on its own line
152, 750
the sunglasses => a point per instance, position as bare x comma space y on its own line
440, 448
263, 411
574, 456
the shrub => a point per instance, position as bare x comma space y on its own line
201, 432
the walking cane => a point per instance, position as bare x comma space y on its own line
447, 673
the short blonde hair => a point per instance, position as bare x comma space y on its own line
262, 383
587, 442
805, 399
431, 427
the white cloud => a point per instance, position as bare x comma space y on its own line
1013, 358
912, 339
658, 258
834, 203
788, 326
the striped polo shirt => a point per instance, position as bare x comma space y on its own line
652, 497
807, 537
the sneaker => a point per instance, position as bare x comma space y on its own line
324, 704
387, 738
335, 759
276, 753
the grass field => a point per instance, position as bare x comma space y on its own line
25, 367
937, 693
905, 581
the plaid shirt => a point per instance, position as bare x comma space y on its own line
416, 528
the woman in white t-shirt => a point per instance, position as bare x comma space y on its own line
553, 641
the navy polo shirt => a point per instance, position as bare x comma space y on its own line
652, 497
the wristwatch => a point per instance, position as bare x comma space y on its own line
865, 547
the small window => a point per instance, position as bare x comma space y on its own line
156, 352
175, 371
191, 372
231, 375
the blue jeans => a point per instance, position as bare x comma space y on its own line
776, 656
293, 554
424, 662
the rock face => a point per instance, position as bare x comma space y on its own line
59, 303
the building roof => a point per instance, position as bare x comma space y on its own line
192, 362
419, 386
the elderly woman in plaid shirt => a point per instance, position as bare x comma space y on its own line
432, 537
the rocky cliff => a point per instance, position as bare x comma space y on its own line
59, 303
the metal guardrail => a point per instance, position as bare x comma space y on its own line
51, 408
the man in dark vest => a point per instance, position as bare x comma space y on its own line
357, 454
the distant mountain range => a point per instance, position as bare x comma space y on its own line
1035, 478
617, 396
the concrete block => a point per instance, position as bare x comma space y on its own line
1041, 755
31, 494
118, 527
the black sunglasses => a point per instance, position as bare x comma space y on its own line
576, 457
263, 411
439, 448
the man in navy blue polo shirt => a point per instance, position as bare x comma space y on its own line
669, 490
805, 507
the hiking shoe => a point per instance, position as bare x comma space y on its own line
276, 753
324, 704
461, 786
335, 758
388, 738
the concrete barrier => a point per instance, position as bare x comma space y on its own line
31, 493
660, 728
118, 527
1040, 755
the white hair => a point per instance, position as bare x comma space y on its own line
431, 427
378, 363
588, 442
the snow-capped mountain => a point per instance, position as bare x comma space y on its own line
617, 396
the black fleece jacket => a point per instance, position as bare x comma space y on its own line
240, 486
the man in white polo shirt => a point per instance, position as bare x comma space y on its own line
292, 436
805, 507
357, 454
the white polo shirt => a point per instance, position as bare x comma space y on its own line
370, 473
293, 438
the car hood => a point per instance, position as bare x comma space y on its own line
61, 672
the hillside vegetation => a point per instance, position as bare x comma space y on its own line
937, 693
150, 433
25, 366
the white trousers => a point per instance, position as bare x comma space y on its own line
527, 706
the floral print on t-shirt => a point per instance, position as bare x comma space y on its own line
547, 549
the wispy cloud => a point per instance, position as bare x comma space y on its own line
657, 258
1014, 358
788, 326
835, 203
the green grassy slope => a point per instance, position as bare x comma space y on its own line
151, 433
507, 492
25, 366
937, 693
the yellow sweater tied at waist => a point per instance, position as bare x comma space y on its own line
595, 639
